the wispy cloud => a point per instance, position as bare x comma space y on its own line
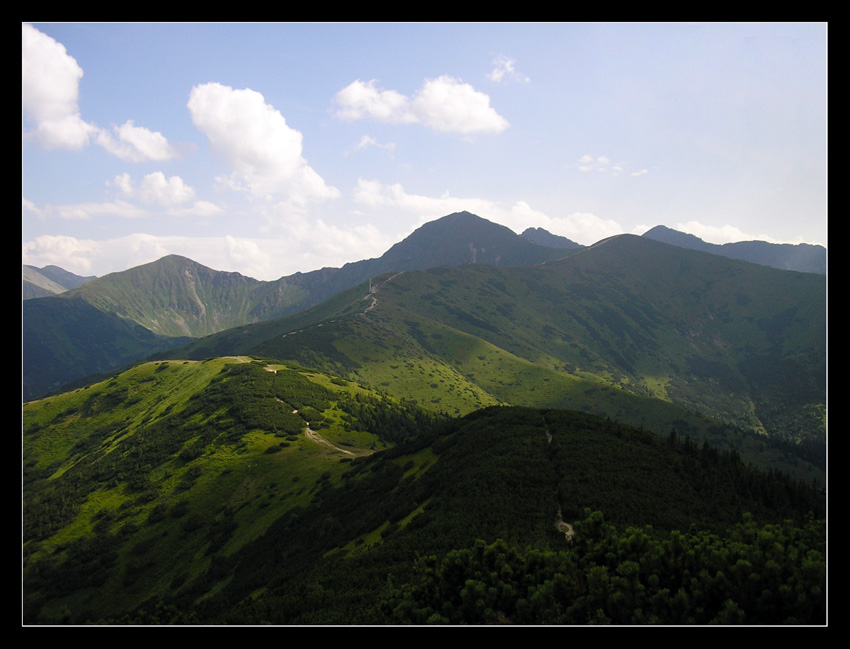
602, 164
504, 70
443, 104
368, 142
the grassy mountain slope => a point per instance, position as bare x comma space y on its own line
178, 297
64, 340
134, 484
50, 280
197, 502
175, 296
627, 328
35, 284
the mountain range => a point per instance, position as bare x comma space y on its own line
473, 429
625, 318
176, 297
591, 328
49, 280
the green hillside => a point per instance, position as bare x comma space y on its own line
65, 340
175, 296
179, 511
168, 463
638, 331
632, 434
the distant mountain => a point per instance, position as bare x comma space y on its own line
464, 238
740, 343
454, 240
50, 280
801, 257
34, 284
64, 278
67, 339
545, 238
175, 296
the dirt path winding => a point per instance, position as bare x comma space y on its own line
314, 436
373, 292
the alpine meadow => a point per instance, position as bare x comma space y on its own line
424, 324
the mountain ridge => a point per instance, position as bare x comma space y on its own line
177, 297
49, 280
546, 238
804, 257
741, 343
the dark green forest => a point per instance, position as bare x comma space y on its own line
665, 532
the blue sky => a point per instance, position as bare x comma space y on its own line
269, 149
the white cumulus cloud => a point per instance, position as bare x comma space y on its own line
443, 104
135, 143
156, 188
263, 151
50, 86
359, 100
50, 80
72, 254
170, 193
446, 104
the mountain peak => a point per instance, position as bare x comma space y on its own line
464, 238
545, 238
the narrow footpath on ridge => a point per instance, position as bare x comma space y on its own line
560, 524
373, 292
